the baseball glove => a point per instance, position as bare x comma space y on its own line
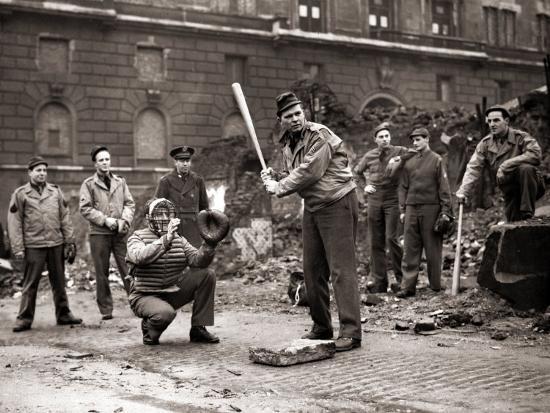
213, 225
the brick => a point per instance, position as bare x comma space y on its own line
214, 78
206, 45
16, 51
195, 55
105, 115
266, 72
92, 80
116, 82
215, 57
105, 92
206, 67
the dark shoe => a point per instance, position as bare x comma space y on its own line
199, 334
21, 326
150, 342
107, 317
313, 335
405, 294
525, 215
395, 287
147, 340
68, 319
377, 289
347, 343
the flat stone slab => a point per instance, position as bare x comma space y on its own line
299, 351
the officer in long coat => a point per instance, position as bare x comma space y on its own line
187, 191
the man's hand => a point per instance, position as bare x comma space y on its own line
111, 223
402, 218
123, 227
500, 176
172, 228
20, 256
69, 252
271, 186
267, 174
370, 189
461, 198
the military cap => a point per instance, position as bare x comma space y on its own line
499, 108
420, 132
286, 100
182, 152
35, 161
96, 149
381, 127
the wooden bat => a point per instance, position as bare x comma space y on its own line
456, 268
241, 101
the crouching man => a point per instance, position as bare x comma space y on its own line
157, 256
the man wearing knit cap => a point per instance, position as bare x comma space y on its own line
106, 202
512, 157
383, 206
40, 231
316, 167
423, 194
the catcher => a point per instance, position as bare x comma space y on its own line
157, 256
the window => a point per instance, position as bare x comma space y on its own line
150, 137
379, 14
54, 130
312, 71
501, 27
309, 12
444, 88
150, 63
442, 18
235, 69
504, 91
53, 55
544, 31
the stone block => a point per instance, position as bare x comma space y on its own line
299, 351
515, 263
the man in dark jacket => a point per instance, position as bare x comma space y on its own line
512, 157
317, 168
423, 194
187, 191
106, 202
39, 225
158, 256
382, 207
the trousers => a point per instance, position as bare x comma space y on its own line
521, 189
329, 255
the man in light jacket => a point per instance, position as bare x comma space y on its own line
106, 202
40, 230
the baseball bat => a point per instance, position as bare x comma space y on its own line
456, 267
241, 101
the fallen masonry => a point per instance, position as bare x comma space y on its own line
299, 351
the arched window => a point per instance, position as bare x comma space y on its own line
54, 130
150, 138
381, 99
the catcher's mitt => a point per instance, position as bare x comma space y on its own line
444, 224
69, 251
213, 225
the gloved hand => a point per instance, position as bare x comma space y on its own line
213, 226
267, 174
271, 186
444, 224
123, 227
461, 198
69, 252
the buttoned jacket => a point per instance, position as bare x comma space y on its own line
38, 220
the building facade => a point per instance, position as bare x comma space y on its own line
144, 75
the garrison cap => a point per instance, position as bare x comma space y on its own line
182, 152
499, 108
96, 149
420, 132
286, 100
35, 161
381, 127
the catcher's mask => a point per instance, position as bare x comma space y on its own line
159, 212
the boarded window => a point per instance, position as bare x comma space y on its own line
544, 32
491, 23
235, 69
150, 63
444, 88
508, 19
53, 55
54, 130
151, 136
504, 91
312, 71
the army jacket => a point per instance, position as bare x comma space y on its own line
97, 202
517, 148
317, 169
38, 220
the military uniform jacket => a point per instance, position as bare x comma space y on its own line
189, 197
317, 169
97, 202
517, 148
38, 220
424, 182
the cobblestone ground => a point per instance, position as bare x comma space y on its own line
446, 372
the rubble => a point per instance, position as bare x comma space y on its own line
299, 351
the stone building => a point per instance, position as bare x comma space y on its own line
144, 75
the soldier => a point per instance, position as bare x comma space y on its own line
158, 256
317, 168
423, 194
187, 191
40, 232
512, 157
106, 202
383, 207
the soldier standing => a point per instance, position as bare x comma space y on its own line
40, 232
106, 202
